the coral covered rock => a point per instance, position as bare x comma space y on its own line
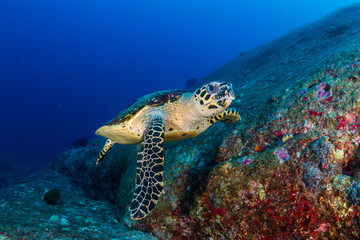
321, 168
354, 192
287, 170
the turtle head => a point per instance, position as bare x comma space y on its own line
214, 97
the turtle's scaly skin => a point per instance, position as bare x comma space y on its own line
160, 117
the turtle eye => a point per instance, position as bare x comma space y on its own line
212, 88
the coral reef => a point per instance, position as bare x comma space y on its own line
290, 169
321, 168
283, 179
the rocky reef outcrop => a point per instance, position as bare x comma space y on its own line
290, 168
102, 182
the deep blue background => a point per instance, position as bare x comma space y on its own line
66, 67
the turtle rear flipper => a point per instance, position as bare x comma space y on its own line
149, 172
108, 144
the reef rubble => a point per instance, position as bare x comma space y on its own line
25, 215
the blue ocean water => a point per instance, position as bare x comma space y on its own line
67, 67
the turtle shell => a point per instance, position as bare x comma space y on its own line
153, 99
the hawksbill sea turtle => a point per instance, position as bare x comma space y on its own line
160, 117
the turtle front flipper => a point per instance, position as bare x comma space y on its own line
149, 173
108, 144
228, 116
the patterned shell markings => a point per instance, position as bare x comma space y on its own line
153, 99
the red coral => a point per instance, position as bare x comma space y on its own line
330, 72
176, 211
278, 133
329, 99
213, 212
345, 122
314, 114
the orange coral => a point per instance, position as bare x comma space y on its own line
259, 147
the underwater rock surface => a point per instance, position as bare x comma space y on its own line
25, 214
97, 182
290, 169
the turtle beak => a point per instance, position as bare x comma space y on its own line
225, 95
229, 94
226, 92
